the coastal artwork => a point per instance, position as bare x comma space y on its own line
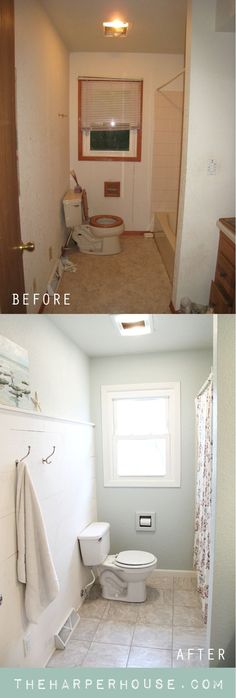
14, 375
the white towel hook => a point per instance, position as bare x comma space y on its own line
24, 458
45, 460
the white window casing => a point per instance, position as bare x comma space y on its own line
166, 438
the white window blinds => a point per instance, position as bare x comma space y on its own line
111, 104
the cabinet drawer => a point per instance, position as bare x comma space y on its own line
225, 275
218, 301
227, 248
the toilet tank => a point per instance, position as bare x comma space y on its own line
95, 543
72, 204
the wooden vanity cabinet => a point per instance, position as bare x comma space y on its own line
222, 295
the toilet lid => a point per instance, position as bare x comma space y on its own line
134, 558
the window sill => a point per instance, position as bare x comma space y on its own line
151, 482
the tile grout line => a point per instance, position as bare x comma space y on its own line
99, 619
132, 639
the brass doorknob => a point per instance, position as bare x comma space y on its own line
29, 246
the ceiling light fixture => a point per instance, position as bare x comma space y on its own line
116, 28
133, 325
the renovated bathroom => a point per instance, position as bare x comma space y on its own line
114, 548
135, 120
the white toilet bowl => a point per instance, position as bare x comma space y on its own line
126, 581
98, 235
122, 576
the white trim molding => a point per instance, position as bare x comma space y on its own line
42, 415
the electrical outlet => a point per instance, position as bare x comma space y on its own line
27, 644
50, 253
34, 286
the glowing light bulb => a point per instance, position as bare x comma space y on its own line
115, 28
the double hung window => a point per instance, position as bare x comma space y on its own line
141, 435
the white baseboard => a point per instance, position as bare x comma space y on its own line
185, 573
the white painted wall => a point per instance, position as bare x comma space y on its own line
208, 133
59, 371
42, 72
225, 15
222, 586
134, 205
173, 540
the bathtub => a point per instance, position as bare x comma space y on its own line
165, 237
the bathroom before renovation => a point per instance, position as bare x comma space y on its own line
103, 476
120, 193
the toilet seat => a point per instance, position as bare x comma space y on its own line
105, 221
134, 559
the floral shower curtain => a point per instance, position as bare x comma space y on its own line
202, 539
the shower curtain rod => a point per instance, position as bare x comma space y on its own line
204, 386
88, 77
171, 80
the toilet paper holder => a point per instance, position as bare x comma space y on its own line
145, 520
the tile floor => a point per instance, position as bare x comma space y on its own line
132, 282
117, 634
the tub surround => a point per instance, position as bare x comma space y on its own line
168, 117
165, 224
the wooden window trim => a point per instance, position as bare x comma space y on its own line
137, 158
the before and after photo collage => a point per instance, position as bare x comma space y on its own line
117, 348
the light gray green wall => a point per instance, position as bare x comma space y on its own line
173, 540
222, 600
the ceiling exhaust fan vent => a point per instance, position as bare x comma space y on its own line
133, 325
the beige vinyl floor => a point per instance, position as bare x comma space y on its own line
149, 634
133, 281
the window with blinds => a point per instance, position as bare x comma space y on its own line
110, 119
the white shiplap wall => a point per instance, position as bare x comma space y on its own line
66, 490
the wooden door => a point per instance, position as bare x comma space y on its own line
11, 263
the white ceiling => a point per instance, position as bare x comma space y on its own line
97, 336
157, 26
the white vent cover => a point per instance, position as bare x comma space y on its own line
133, 325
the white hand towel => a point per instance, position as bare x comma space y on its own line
35, 567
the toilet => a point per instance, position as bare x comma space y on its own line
98, 235
122, 576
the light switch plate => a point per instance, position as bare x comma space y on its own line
211, 167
